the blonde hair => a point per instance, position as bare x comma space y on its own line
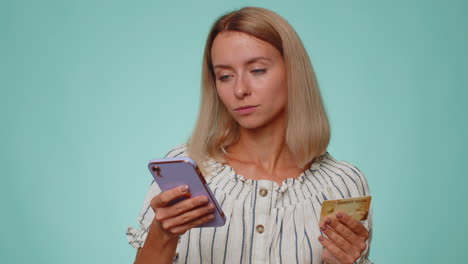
308, 129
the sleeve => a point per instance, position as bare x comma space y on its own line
136, 236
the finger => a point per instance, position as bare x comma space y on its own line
164, 198
183, 228
188, 216
358, 243
180, 208
335, 250
340, 241
353, 224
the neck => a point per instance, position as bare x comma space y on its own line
265, 147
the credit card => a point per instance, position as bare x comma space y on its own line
356, 207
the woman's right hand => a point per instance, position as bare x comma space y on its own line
171, 221
174, 220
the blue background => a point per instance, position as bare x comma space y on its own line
91, 90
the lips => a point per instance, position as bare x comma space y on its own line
244, 110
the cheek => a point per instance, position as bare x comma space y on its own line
223, 96
283, 89
279, 93
279, 99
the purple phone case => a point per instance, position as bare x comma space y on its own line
174, 172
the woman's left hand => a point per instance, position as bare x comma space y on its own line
346, 239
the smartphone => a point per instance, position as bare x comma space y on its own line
173, 172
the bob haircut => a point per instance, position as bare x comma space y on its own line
307, 125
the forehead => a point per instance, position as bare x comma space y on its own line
231, 47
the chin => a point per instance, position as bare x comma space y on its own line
257, 121
251, 124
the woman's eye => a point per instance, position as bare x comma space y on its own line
258, 71
223, 78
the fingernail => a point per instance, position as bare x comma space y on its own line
339, 215
210, 206
328, 221
320, 238
203, 200
324, 228
183, 188
211, 216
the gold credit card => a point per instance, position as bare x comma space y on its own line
357, 208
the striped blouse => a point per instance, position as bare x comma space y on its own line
265, 222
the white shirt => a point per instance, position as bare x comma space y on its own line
288, 215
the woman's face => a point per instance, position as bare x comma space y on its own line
251, 79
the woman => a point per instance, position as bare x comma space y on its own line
261, 140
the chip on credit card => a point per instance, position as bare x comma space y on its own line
356, 207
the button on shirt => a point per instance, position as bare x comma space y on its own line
265, 222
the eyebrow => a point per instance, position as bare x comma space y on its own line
250, 61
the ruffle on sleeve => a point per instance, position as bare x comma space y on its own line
136, 237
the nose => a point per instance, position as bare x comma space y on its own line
242, 87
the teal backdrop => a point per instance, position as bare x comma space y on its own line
92, 90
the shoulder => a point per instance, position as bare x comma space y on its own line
178, 151
347, 173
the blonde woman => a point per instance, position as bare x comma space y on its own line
260, 140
